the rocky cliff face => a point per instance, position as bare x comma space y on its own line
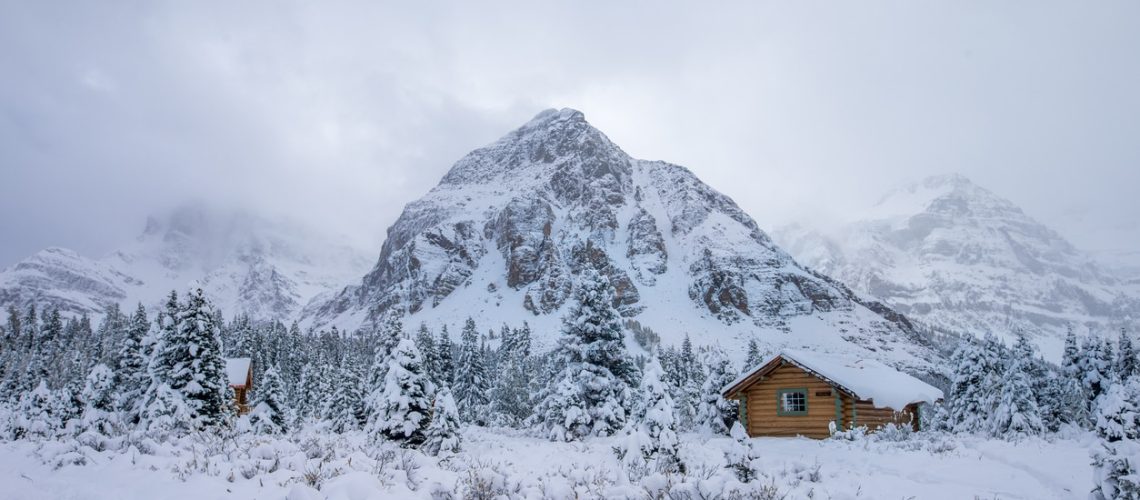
957, 256
509, 228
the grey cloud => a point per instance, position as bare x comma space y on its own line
341, 112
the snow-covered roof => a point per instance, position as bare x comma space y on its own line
237, 369
886, 387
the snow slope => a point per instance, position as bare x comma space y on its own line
507, 230
927, 467
246, 264
956, 256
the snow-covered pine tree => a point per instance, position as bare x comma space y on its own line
742, 456
188, 362
34, 417
1095, 369
510, 396
1116, 464
99, 420
425, 342
754, 358
270, 414
442, 435
470, 383
131, 373
1064, 402
203, 370
159, 399
406, 400
591, 392
348, 404
689, 391
970, 389
1017, 415
651, 439
715, 413
1127, 362
444, 356
1071, 356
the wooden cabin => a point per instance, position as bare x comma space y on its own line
803, 393
239, 371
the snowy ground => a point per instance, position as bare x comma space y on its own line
346, 468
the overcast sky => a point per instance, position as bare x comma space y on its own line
342, 112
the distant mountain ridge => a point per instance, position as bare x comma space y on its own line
954, 255
247, 264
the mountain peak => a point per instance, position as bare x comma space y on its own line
539, 150
947, 194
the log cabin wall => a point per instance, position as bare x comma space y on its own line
824, 403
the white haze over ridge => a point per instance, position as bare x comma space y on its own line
339, 113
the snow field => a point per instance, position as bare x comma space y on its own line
316, 464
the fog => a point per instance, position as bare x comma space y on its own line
339, 113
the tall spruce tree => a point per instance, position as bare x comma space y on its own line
591, 392
132, 371
406, 400
1017, 414
651, 440
717, 414
471, 384
510, 396
1127, 363
270, 414
445, 358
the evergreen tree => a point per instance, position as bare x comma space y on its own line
742, 457
34, 417
1116, 464
348, 405
270, 414
188, 362
131, 374
1071, 356
1126, 357
470, 377
442, 435
98, 420
1017, 413
652, 438
425, 342
204, 369
510, 396
406, 398
754, 357
445, 364
591, 393
717, 414
971, 389
1094, 369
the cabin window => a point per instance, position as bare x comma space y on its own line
791, 402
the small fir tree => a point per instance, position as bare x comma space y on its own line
270, 414
442, 436
651, 440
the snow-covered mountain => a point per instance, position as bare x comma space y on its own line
247, 264
504, 235
956, 256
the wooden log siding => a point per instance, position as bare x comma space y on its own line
762, 405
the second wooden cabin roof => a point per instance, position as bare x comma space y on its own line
862, 379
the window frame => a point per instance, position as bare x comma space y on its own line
780, 402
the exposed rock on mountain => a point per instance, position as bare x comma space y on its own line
956, 256
507, 231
